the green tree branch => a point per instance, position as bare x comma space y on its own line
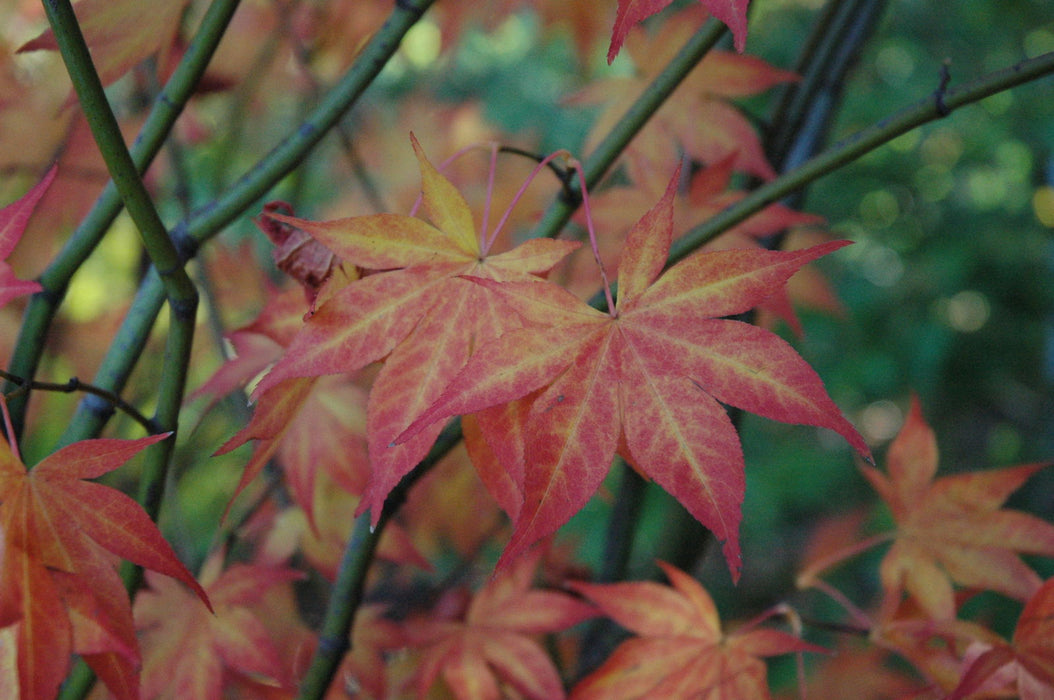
55, 279
190, 233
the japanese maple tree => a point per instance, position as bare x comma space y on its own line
360, 349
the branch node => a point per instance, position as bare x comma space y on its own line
409, 6
942, 89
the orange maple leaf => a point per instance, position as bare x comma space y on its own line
1027, 663
631, 12
13, 220
681, 651
419, 312
57, 579
187, 651
492, 643
952, 529
645, 379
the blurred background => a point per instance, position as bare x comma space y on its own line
948, 292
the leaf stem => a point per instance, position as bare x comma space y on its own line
9, 429
593, 238
547, 161
491, 170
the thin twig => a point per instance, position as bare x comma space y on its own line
73, 384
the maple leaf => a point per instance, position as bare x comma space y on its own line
492, 644
952, 529
419, 312
647, 376
187, 650
13, 220
681, 651
1027, 662
322, 536
57, 579
363, 672
631, 12
702, 98
708, 194
310, 425
121, 33
934, 647
301, 257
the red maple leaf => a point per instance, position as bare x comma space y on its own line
1027, 663
492, 642
681, 651
418, 312
631, 12
187, 651
708, 193
645, 379
703, 98
57, 577
13, 220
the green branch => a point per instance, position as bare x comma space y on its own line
123, 170
55, 279
210, 219
131, 338
630, 124
344, 599
937, 106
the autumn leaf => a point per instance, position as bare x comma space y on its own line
121, 33
364, 669
702, 98
418, 312
321, 536
187, 650
952, 529
1026, 664
681, 651
630, 12
493, 643
57, 579
708, 193
647, 375
13, 220
309, 425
